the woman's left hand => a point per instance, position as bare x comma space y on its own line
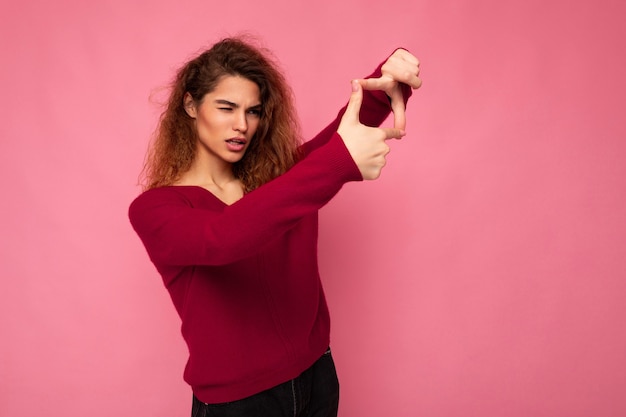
400, 67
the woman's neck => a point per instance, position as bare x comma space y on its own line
218, 178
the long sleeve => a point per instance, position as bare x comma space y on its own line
177, 234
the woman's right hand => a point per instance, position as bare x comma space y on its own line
366, 144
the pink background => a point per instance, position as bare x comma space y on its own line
482, 275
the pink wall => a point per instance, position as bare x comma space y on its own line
482, 275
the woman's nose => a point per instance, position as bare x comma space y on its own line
241, 123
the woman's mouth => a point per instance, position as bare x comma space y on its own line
236, 144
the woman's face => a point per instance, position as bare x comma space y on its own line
226, 118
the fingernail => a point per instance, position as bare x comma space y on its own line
355, 86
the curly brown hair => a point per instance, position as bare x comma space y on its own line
274, 148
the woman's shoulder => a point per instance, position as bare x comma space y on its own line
159, 203
173, 196
161, 196
166, 193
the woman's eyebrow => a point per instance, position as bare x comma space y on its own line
234, 105
227, 103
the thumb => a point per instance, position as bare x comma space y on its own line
354, 105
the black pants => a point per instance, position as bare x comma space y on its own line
315, 393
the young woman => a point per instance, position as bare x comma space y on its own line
229, 219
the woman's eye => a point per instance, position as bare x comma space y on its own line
225, 108
254, 112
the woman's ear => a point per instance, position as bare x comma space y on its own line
190, 105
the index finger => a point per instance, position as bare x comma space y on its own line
374, 83
393, 133
398, 109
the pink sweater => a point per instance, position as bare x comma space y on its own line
244, 277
